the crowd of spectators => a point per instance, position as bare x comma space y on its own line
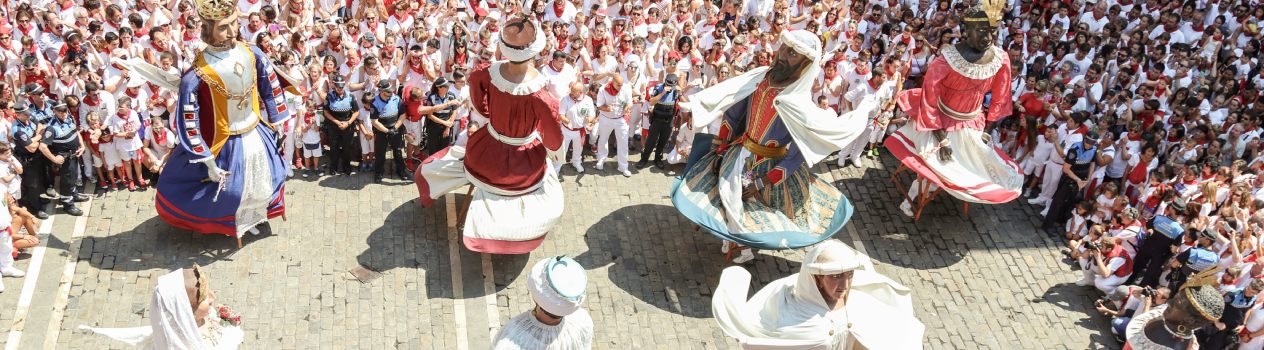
1162, 96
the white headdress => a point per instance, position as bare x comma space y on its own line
531, 51
171, 322
817, 132
558, 285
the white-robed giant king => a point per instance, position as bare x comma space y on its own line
836, 301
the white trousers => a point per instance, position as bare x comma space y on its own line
6, 251
619, 128
915, 189
1106, 284
1049, 181
570, 139
856, 147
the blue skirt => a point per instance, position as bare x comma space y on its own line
802, 210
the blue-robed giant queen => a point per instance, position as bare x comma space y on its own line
226, 176
751, 183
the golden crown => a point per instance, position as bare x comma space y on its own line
215, 10
991, 8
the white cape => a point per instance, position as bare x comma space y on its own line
789, 313
817, 132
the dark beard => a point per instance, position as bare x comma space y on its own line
782, 73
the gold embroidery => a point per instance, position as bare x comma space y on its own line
973, 70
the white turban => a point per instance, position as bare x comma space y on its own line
558, 285
531, 51
803, 42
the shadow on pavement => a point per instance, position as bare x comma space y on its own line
134, 250
945, 234
655, 255
413, 237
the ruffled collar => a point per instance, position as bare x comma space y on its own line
973, 70
519, 89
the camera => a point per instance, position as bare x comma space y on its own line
1093, 245
1148, 292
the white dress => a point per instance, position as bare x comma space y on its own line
257, 184
525, 332
1254, 324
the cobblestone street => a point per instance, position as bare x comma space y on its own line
988, 280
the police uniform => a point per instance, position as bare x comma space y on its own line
1081, 160
341, 149
661, 123
435, 141
62, 139
34, 175
387, 112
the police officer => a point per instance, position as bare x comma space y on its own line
388, 131
61, 144
39, 106
27, 137
1081, 159
664, 99
342, 112
440, 103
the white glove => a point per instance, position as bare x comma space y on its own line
213, 172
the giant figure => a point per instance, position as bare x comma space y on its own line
751, 183
944, 142
517, 197
226, 176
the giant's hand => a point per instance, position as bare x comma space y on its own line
945, 151
213, 172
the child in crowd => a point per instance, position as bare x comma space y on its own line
312, 149
1077, 227
125, 126
159, 141
99, 143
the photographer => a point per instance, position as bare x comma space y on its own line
664, 100
387, 130
1107, 264
1135, 300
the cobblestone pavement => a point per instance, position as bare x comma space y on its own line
988, 280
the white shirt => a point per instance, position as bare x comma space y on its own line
560, 81
120, 125
578, 111
617, 102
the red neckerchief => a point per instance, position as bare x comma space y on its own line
252, 2
1134, 137
129, 92
92, 100
1199, 28
416, 69
153, 90
872, 86
159, 48
188, 36
830, 77
372, 25
862, 70
296, 9
67, 6
559, 10
460, 57
611, 90
160, 136
829, 23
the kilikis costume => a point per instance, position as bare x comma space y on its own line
516, 197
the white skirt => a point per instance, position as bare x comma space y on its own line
978, 172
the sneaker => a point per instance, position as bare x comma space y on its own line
873, 153
352, 173
627, 173
13, 272
642, 164
304, 174
72, 210
1036, 201
131, 186
745, 256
